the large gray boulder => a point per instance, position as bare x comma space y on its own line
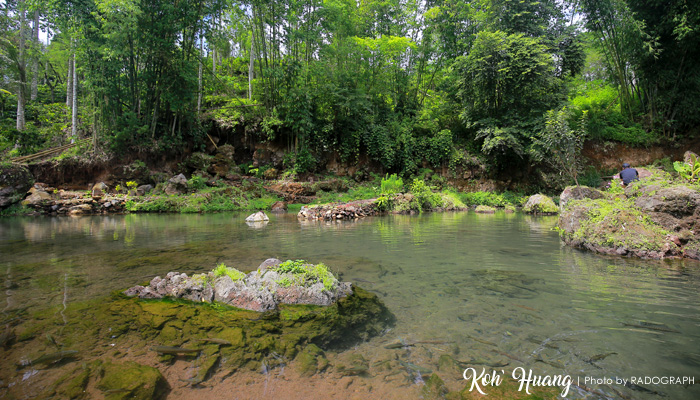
578, 193
176, 185
15, 181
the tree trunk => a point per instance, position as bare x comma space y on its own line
69, 84
199, 95
22, 70
74, 118
251, 69
35, 60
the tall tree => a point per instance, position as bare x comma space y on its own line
21, 67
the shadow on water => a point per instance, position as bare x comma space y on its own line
498, 291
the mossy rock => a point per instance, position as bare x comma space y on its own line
482, 209
131, 380
311, 360
255, 338
540, 204
434, 388
15, 180
69, 386
614, 227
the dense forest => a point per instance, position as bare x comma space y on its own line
515, 84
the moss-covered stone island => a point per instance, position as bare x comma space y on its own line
656, 217
98, 348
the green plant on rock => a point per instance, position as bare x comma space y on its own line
384, 202
232, 273
689, 170
195, 183
131, 185
424, 197
302, 272
391, 184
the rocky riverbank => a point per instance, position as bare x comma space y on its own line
351, 210
656, 217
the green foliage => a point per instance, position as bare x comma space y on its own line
225, 198
304, 273
600, 103
689, 170
385, 202
293, 267
590, 177
232, 273
559, 145
15, 209
423, 196
195, 183
301, 161
484, 209
356, 192
492, 199
391, 184
263, 203
616, 187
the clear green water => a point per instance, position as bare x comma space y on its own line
499, 288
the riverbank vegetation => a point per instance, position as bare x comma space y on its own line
397, 86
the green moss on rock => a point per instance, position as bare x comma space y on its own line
540, 204
69, 386
614, 227
131, 380
482, 209
310, 360
434, 388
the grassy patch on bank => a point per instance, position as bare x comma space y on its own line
207, 200
493, 199
359, 192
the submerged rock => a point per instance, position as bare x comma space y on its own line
132, 381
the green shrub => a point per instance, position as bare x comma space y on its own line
590, 177
492, 199
689, 170
391, 184
232, 273
196, 183
424, 198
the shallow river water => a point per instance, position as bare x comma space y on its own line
496, 289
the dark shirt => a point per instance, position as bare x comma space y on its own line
628, 175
